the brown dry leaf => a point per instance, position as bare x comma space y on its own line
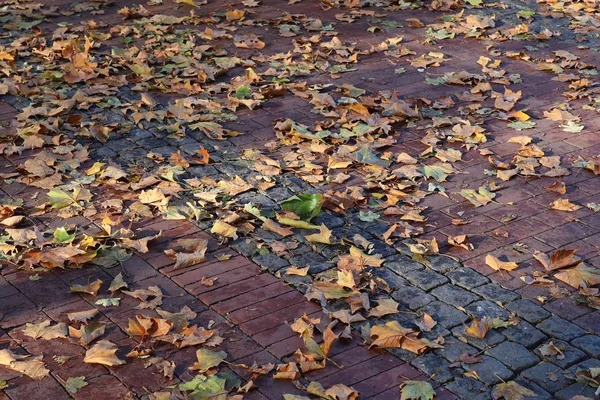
335, 392
558, 187
287, 371
384, 307
479, 328
427, 324
522, 140
82, 316
90, 288
564, 205
297, 271
194, 252
143, 326
550, 350
32, 366
511, 391
581, 276
557, 260
460, 241
224, 229
324, 236
87, 333
150, 298
103, 352
393, 336
498, 264
357, 260
273, 226
45, 331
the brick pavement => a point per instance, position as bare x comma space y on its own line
253, 303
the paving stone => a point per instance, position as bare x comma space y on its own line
306, 260
570, 355
486, 308
524, 333
425, 279
492, 338
435, 367
270, 261
528, 310
496, 293
584, 365
401, 264
454, 348
550, 377
490, 370
413, 297
394, 281
560, 328
330, 220
576, 389
589, 343
469, 389
513, 355
445, 315
467, 278
442, 264
454, 295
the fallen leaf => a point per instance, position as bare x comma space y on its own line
90, 288
416, 390
45, 331
207, 359
103, 352
511, 391
497, 264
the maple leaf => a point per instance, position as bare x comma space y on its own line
91, 288
427, 324
511, 391
45, 331
224, 229
207, 359
151, 297
87, 333
61, 199
393, 336
103, 352
416, 390
384, 307
335, 392
357, 260
32, 366
557, 260
74, 384
143, 326
564, 205
497, 264
287, 371
581, 276
324, 236
82, 316
480, 198
117, 283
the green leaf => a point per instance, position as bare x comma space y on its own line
242, 92
61, 235
250, 209
416, 390
207, 359
306, 206
368, 216
111, 302
202, 387
365, 156
520, 125
296, 223
436, 172
112, 257
74, 384
480, 198
61, 199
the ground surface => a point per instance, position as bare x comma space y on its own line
146, 152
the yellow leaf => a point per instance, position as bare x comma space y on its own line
297, 271
324, 236
498, 264
224, 229
564, 205
45, 331
384, 307
103, 353
90, 288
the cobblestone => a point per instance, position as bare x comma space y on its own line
490, 370
528, 310
454, 295
467, 278
425, 279
589, 343
570, 355
560, 328
513, 355
548, 376
496, 293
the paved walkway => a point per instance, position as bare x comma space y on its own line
399, 116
